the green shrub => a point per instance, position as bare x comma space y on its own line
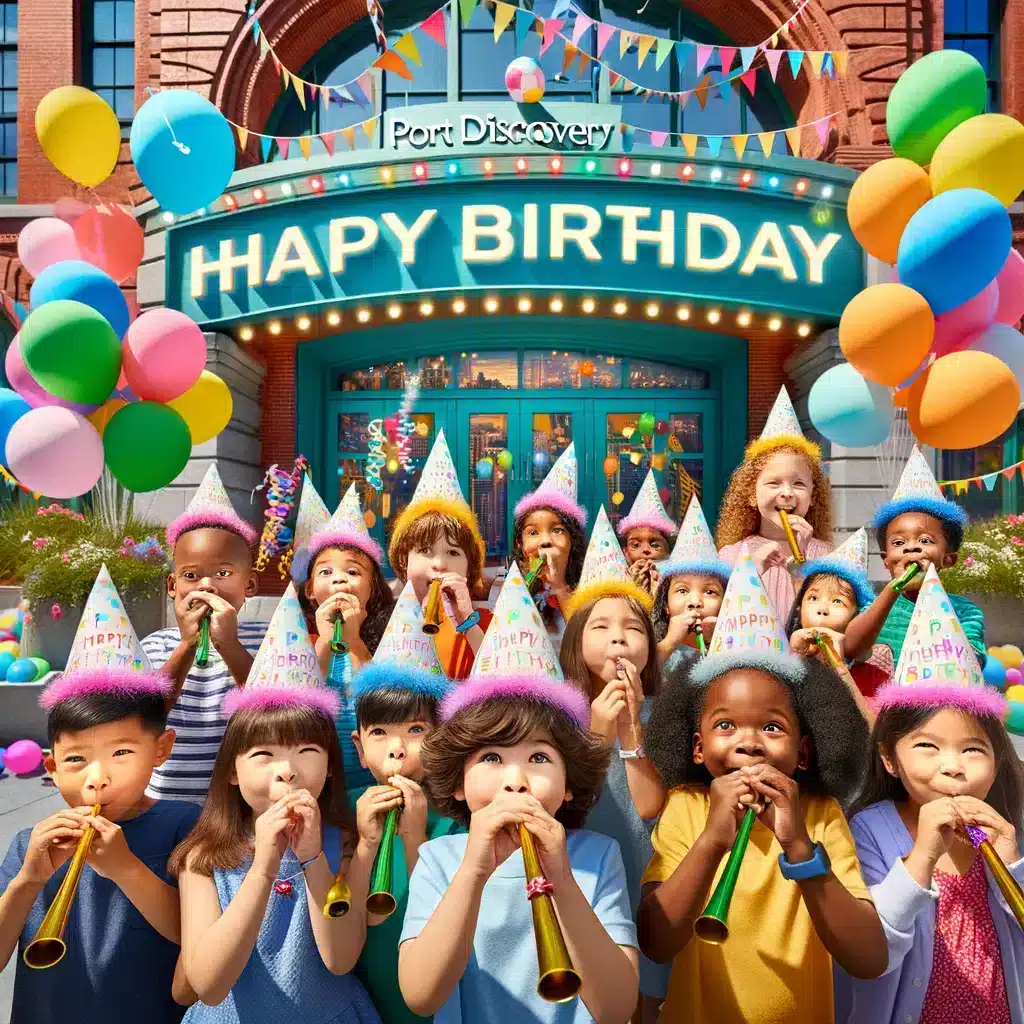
991, 559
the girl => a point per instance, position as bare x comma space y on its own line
646, 535
943, 761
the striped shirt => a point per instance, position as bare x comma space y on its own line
196, 718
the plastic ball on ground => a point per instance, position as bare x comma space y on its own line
1015, 717
882, 201
12, 648
22, 671
986, 152
1009, 655
23, 757
849, 410
6, 661
994, 673
43, 668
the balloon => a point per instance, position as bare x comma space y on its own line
986, 152
930, 98
485, 469
955, 329
882, 200
618, 498
146, 445
45, 241
661, 428
850, 410
646, 424
164, 353
12, 408
1012, 680
24, 383
22, 671
10, 647
1008, 656
105, 413
886, 331
72, 351
1006, 344
954, 246
541, 459
206, 407
1011, 289
994, 673
7, 659
963, 400
79, 133
109, 237
183, 149
82, 282
1015, 717
56, 452
611, 465
23, 757
42, 667
505, 459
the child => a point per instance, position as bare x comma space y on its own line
513, 751
549, 524
396, 709
942, 762
106, 722
436, 537
781, 470
777, 734
212, 576
690, 589
255, 872
646, 534
917, 526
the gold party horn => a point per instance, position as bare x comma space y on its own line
1008, 885
791, 537
432, 612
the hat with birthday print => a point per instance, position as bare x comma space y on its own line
312, 515
517, 661
648, 511
345, 529
937, 665
106, 657
210, 507
557, 490
918, 491
438, 490
605, 570
849, 562
286, 671
694, 551
782, 430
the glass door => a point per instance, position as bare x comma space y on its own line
547, 427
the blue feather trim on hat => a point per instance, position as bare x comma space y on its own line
862, 589
711, 567
940, 508
393, 676
787, 667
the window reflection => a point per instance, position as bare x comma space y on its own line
552, 434
489, 371
488, 435
646, 374
554, 369
685, 432
387, 376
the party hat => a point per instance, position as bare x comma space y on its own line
210, 507
312, 514
918, 491
937, 665
438, 490
286, 670
849, 562
345, 529
782, 430
694, 551
106, 656
647, 510
605, 570
558, 490
517, 660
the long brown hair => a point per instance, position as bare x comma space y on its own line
571, 655
739, 517
223, 835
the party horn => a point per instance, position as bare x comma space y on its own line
711, 926
701, 646
339, 898
791, 537
824, 644
203, 650
380, 902
536, 565
339, 656
432, 613
909, 573
1008, 885
338, 645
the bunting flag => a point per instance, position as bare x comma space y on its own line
389, 60
767, 140
689, 144
435, 27
524, 22
582, 24
406, 46
503, 15
793, 138
816, 57
823, 126
795, 60
703, 56
466, 9
987, 481
701, 92
841, 57
349, 135
749, 79
243, 137
658, 138
773, 57
551, 28
568, 56
364, 83
747, 55
604, 34
726, 55
369, 128
644, 45
625, 41
714, 144
739, 143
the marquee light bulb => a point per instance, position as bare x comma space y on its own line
303, 323
687, 171
419, 171
286, 189
426, 307
655, 170
169, 217
773, 181
774, 324
246, 334
590, 166
625, 166
459, 306
826, 192
453, 168
394, 311
803, 330
334, 318
491, 305
620, 308
522, 166
524, 305
652, 309
555, 163
386, 173
488, 166
746, 177
743, 319
588, 305
714, 316
344, 179
260, 195
363, 315
274, 327
683, 313
716, 174
555, 305
801, 187
316, 183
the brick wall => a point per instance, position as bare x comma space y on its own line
765, 375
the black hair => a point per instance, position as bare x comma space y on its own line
393, 707
826, 712
953, 533
76, 714
577, 552
659, 612
795, 621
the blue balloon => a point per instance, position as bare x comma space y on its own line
183, 149
3, 751
954, 247
541, 458
12, 408
994, 673
82, 282
484, 469
24, 670
6, 661
850, 410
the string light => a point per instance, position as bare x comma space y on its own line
555, 305
743, 319
655, 170
683, 313
826, 192
588, 305
459, 306
316, 183
488, 166
303, 323
363, 315
394, 311
491, 305
286, 189
801, 187
169, 217
803, 330
343, 178
522, 166
555, 163
419, 171
774, 324
714, 316
620, 308
260, 195
686, 172
716, 174
625, 166
590, 166
524, 305
246, 334
453, 168
652, 309
274, 327
386, 174
426, 307
773, 182
334, 318
746, 178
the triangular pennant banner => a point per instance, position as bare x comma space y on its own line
714, 144
793, 138
435, 27
561, 6
747, 54
365, 84
342, 93
726, 54
282, 147
304, 143
552, 26
243, 136
300, 91
503, 15
749, 79
625, 41
369, 127
815, 57
701, 91
406, 46
840, 58
828, 67
568, 56
466, 8
613, 79
349, 135
689, 144
643, 48
390, 61
664, 49
658, 139
604, 34
773, 57
524, 22
581, 26
328, 141
767, 140
704, 53
823, 126
795, 59
683, 51
739, 143
584, 63
265, 143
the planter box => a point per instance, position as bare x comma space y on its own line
1004, 618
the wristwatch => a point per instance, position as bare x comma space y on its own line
471, 620
817, 867
633, 755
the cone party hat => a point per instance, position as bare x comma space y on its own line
849, 562
557, 490
345, 529
782, 430
210, 507
918, 491
312, 515
694, 552
648, 510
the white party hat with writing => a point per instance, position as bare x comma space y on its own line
312, 514
694, 550
210, 507
849, 562
782, 430
557, 490
918, 491
648, 510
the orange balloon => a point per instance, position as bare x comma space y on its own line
103, 415
611, 464
899, 399
109, 237
881, 202
963, 400
886, 331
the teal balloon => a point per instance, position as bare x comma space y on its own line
1015, 717
22, 671
849, 410
6, 661
994, 673
146, 445
930, 98
82, 282
12, 408
71, 351
485, 469
42, 667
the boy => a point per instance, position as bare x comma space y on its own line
107, 728
919, 526
212, 576
646, 535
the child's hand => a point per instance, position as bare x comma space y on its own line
628, 725
556, 564
306, 836
456, 598
412, 825
769, 555
638, 572
189, 612
802, 530
52, 843
731, 795
223, 616
549, 838
781, 811
371, 809
272, 830
348, 605
803, 643
605, 710
109, 855
494, 833
1000, 832
707, 626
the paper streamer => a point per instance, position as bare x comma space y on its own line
376, 459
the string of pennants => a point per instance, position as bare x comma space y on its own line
986, 481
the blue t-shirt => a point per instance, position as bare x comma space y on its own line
117, 969
499, 985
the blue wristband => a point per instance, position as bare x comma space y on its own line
471, 621
817, 867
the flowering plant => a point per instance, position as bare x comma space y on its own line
991, 559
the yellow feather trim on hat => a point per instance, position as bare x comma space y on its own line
771, 444
456, 509
607, 588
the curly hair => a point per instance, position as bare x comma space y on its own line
825, 709
739, 517
577, 552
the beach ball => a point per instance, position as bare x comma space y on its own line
524, 80
79, 133
986, 152
23, 757
994, 673
882, 200
22, 671
850, 410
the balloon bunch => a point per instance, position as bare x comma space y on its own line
276, 539
940, 331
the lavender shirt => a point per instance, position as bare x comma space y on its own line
908, 917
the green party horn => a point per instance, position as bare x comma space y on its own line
711, 926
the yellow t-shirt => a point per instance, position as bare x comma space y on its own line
773, 968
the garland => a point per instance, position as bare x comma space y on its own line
276, 539
986, 480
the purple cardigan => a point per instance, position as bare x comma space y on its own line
908, 917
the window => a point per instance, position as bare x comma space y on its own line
9, 99
972, 26
109, 55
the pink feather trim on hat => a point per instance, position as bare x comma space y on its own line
320, 542
264, 698
661, 524
974, 700
563, 505
211, 520
563, 697
126, 683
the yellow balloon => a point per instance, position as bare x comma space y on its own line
11, 647
985, 152
79, 134
102, 416
1012, 657
205, 407
1015, 693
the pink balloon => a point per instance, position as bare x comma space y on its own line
1011, 290
56, 452
164, 354
109, 237
45, 241
23, 757
955, 330
19, 377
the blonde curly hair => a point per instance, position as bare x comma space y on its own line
739, 517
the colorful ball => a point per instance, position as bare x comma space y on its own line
994, 673
1015, 692
524, 80
1013, 679
43, 668
850, 410
882, 201
12, 648
6, 661
22, 671
1011, 656
1015, 717
23, 757
986, 152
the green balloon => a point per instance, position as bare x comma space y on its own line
146, 445
930, 98
505, 459
1015, 717
42, 667
646, 424
71, 351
